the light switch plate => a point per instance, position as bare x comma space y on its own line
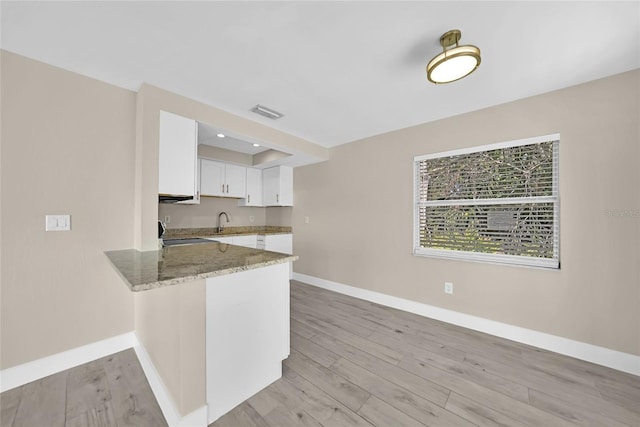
57, 223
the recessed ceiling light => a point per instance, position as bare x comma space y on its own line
256, 145
220, 135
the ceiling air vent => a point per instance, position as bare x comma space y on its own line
267, 112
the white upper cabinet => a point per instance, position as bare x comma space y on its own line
222, 179
212, 178
254, 188
178, 156
277, 186
236, 179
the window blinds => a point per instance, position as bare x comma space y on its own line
496, 203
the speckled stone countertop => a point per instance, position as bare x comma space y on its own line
182, 233
177, 264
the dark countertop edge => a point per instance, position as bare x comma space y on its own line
176, 281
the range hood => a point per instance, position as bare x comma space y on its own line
169, 198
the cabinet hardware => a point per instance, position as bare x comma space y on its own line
277, 198
248, 198
222, 188
227, 188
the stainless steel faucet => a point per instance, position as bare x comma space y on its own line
220, 226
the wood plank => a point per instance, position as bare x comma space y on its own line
242, 415
313, 351
334, 385
328, 310
479, 414
327, 317
133, 402
486, 379
499, 402
418, 385
585, 412
9, 401
375, 313
400, 398
579, 368
385, 353
283, 417
87, 389
380, 413
263, 401
95, 417
623, 394
416, 345
532, 376
43, 402
301, 329
321, 406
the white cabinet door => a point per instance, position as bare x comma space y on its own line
282, 243
254, 188
248, 241
277, 186
178, 155
222, 179
212, 178
235, 177
226, 239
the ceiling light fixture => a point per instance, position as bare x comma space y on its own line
220, 135
453, 63
267, 112
256, 145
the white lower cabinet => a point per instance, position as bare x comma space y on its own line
247, 334
246, 240
282, 243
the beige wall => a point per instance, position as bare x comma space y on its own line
67, 148
170, 324
359, 204
216, 153
279, 216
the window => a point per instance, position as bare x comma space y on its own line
496, 203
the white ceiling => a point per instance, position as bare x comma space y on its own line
208, 135
339, 71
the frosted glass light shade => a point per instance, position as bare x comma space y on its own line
453, 64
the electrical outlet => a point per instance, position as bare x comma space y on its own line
251, 218
306, 220
167, 219
448, 287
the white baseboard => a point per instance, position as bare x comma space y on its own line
600, 355
40, 368
197, 418
22, 374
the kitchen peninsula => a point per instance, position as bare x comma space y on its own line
213, 319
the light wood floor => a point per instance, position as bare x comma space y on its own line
355, 363
108, 392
